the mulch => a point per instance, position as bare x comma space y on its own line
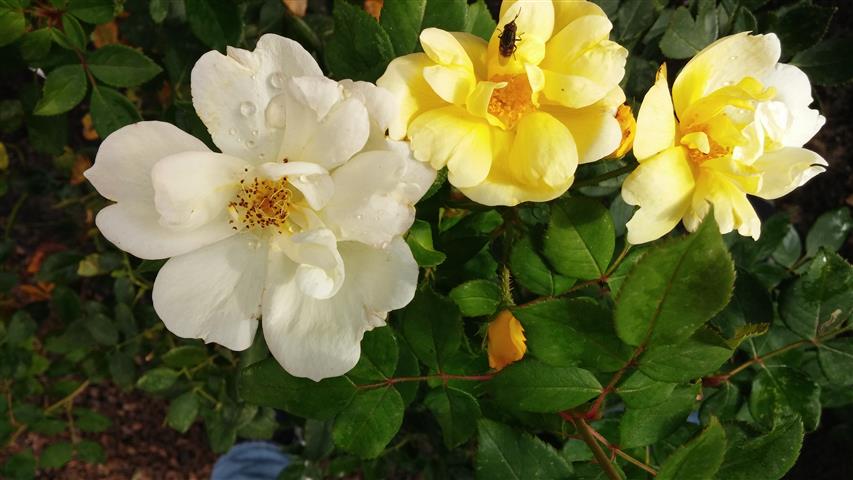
138, 445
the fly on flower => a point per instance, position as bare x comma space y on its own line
296, 223
511, 119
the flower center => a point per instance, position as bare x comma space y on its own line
261, 204
701, 147
513, 101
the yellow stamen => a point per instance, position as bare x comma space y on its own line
260, 204
513, 101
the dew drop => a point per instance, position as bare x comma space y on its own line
254, 133
359, 217
384, 245
232, 132
250, 143
276, 80
261, 156
303, 178
248, 108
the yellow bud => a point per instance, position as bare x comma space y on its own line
629, 127
506, 340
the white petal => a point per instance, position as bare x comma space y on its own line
320, 271
231, 93
375, 193
311, 179
193, 188
321, 338
214, 293
340, 135
136, 229
122, 169
795, 91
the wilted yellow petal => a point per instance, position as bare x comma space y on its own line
506, 340
628, 125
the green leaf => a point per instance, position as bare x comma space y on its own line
122, 369
111, 110
576, 331
580, 238
158, 9
402, 22
183, 411
20, 466
535, 387
633, 19
64, 88
12, 21
699, 459
74, 37
360, 48
724, 403
419, 239
433, 327
157, 379
778, 393
477, 297
800, 26
829, 231
369, 422
685, 37
92, 11
675, 288
185, 356
90, 420
822, 296
640, 391
122, 66
456, 411
645, 426
90, 452
262, 427
36, 44
448, 15
379, 354
790, 249
506, 453
823, 64
217, 23
265, 383
102, 328
531, 271
479, 20
701, 354
836, 360
750, 305
767, 457
56, 455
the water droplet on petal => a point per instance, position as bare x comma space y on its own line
248, 108
359, 216
384, 245
276, 80
254, 133
250, 143
261, 156
303, 178
232, 132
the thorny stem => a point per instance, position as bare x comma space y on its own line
66, 402
621, 453
595, 409
444, 377
618, 261
581, 428
758, 359
585, 432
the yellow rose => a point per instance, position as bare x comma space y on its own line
506, 340
512, 123
734, 125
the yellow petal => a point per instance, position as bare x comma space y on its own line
404, 79
544, 151
786, 169
534, 22
444, 49
731, 208
477, 102
574, 39
453, 137
567, 11
452, 84
655, 121
697, 141
725, 62
506, 340
595, 129
661, 186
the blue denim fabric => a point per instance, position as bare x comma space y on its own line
250, 461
